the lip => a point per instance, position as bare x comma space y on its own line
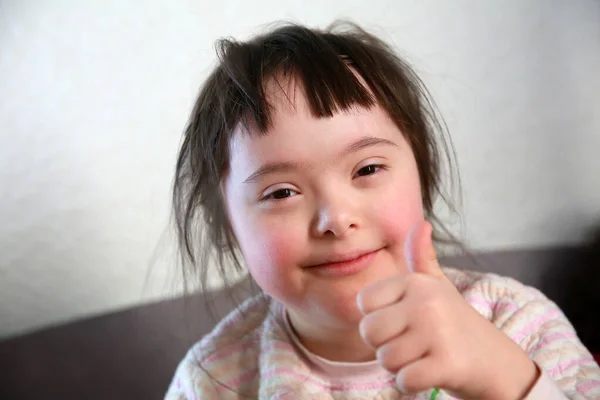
345, 265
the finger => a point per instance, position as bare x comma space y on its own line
422, 374
380, 294
383, 325
401, 351
420, 253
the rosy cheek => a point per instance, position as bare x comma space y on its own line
270, 257
279, 249
397, 215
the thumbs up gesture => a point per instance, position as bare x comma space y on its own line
426, 333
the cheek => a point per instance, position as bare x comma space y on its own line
399, 209
270, 253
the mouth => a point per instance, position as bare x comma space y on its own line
344, 265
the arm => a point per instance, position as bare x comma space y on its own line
566, 366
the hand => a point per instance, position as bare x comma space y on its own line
426, 332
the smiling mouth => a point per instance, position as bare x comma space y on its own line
343, 259
345, 265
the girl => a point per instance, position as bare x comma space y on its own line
316, 156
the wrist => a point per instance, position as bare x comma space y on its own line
526, 381
516, 382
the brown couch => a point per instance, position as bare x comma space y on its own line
132, 354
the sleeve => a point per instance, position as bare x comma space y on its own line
545, 388
543, 331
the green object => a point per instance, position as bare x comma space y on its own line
434, 394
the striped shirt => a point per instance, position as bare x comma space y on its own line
253, 353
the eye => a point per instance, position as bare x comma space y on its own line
369, 170
280, 194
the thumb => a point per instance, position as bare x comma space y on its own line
419, 251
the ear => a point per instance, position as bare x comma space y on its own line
419, 251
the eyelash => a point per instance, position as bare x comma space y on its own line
378, 168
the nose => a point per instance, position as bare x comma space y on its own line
336, 216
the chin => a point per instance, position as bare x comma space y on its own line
339, 307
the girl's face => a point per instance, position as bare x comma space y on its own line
317, 190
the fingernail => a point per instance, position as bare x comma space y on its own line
400, 382
359, 303
408, 249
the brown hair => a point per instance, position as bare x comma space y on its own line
326, 63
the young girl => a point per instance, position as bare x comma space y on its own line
315, 155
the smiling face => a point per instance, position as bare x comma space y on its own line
312, 191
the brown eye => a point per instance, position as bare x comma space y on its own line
368, 170
281, 194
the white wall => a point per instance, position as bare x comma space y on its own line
94, 96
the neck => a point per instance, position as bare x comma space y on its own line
341, 344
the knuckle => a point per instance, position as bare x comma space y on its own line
431, 306
416, 280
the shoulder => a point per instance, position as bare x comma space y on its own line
492, 288
229, 349
242, 324
517, 309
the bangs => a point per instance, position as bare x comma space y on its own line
291, 58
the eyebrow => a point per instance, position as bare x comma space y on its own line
279, 167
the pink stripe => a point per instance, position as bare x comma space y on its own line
587, 386
535, 324
239, 380
247, 376
321, 385
561, 368
552, 338
233, 349
477, 301
487, 304
278, 345
505, 306
240, 315
243, 346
